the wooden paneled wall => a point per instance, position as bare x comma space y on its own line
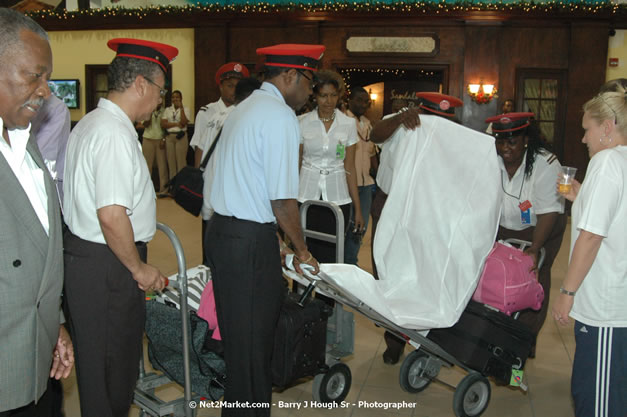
587, 58
469, 52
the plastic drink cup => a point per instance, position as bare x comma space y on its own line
566, 179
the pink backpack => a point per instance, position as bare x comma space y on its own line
506, 282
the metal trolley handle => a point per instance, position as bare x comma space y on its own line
181, 284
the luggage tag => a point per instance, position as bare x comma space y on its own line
516, 379
525, 213
339, 151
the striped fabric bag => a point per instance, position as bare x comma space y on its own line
197, 278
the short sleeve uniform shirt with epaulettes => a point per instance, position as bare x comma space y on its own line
105, 166
539, 189
203, 117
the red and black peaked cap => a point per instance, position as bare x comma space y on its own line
509, 124
439, 103
156, 52
293, 55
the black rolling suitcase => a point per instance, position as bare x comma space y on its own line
487, 341
300, 340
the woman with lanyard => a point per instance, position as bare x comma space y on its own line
595, 288
327, 172
532, 210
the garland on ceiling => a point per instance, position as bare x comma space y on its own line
436, 7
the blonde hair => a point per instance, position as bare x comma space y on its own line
610, 105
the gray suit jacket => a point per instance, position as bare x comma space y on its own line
31, 280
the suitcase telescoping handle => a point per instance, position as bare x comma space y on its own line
307, 269
312, 285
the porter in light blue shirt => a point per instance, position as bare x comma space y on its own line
257, 157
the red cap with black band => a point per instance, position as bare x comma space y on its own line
231, 70
292, 55
509, 124
438, 103
159, 53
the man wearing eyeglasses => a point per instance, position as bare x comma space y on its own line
110, 209
254, 191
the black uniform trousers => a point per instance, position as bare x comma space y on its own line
108, 313
249, 290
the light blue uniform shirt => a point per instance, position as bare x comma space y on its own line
257, 157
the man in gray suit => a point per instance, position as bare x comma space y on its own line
34, 344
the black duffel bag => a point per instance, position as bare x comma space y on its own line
187, 186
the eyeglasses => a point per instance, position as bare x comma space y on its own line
162, 92
301, 72
312, 80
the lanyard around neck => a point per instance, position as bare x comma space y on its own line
519, 192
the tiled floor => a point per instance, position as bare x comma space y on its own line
548, 376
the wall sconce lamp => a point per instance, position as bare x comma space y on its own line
481, 93
373, 96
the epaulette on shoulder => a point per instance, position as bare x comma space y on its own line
550, 158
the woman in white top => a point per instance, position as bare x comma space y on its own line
595, 288
175, 121
531, 209
327, 171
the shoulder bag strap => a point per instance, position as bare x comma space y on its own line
211, 149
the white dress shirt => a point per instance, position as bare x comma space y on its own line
30, 176
322, 172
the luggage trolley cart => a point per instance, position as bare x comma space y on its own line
422, 366
145, 397
472, 394
333, 385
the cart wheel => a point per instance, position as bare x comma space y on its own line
412, 376
472, 396
333, 386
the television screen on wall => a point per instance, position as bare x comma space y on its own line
67, 90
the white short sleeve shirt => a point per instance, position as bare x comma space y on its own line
212, 128
203, 117
322, 172
539, 189
174, 116
385, 173
105, 166
601, 208
211, 133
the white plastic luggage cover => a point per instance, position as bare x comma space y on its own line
437, 227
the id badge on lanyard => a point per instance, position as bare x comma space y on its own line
340, 151
525, 212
